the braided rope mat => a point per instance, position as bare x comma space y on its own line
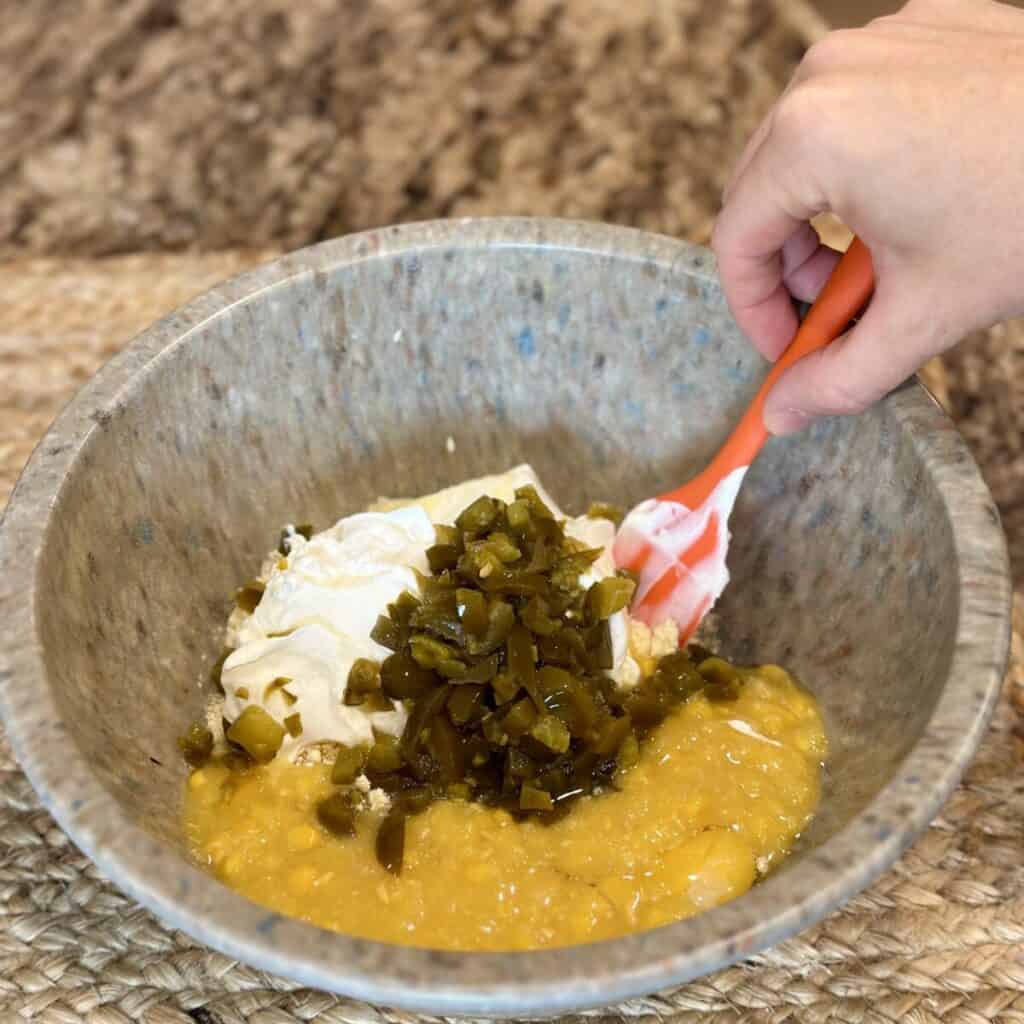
939, 938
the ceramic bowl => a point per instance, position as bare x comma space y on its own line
867, 557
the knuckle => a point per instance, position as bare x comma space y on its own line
842, 397
801, 112
828, 51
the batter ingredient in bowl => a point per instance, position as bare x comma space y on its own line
442, 729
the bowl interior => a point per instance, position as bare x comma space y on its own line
866, 555
614, 377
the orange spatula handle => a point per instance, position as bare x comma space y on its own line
845, 294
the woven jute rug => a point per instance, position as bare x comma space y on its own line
939, 938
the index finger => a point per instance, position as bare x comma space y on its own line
767, 205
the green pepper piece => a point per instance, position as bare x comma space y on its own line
293, 723
445, 747
566, 573
628, 574
369, 702
677, 675
584, 711
514, 583
363, 679
337, 815
519, 765
259, 735
723, 693
477, 562
348, 765
494, 731
428, 652
608, 596
384, 756
501, 544
448, 535
552, 681
647, 708
536, 617
520, 657
402, 679
438, 590
426, 708
600, 651
249, 596
501, 617
569, 698
528, 494
603, 510
482, 672
591, 770
414, 799
196, 745
478, 516
544, 553
442, 556
388, 634
566, 648
519, 718
610, 734
390, 842
506, 687
403, 606
400, 613
533, 799
452, 669
550, 732
723, 680
717, 670
441, 618
472, 610
466, 704
517, 515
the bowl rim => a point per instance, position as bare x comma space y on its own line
489, 984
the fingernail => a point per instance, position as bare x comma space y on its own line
786, 421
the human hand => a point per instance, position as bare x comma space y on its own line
908, 130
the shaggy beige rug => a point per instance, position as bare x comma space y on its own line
155, 124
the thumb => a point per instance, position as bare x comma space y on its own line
891, 342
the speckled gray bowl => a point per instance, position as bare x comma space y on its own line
867, 557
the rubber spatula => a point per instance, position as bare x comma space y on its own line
677, 543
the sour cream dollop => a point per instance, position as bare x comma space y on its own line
293, 654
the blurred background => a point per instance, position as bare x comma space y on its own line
208, 134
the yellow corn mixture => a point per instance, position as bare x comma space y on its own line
717, 800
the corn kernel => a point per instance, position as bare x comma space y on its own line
302, 837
